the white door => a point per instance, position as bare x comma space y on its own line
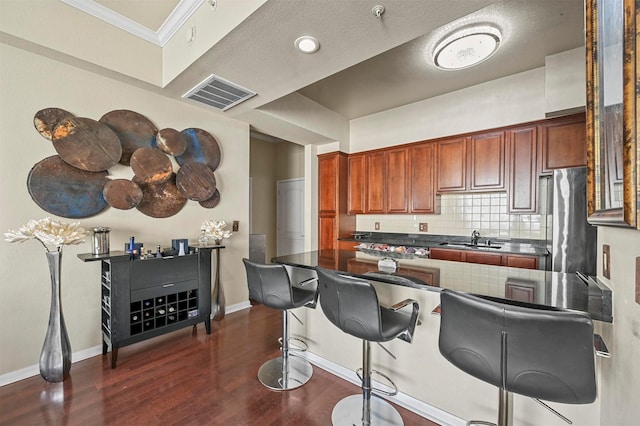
290, 216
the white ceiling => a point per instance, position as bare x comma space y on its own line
365, 65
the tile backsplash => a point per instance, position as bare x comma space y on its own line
461, 214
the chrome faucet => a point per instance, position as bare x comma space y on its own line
474, 237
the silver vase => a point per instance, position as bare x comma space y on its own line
55, 358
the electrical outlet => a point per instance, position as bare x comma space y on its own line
377, 226
236, 226
423, 227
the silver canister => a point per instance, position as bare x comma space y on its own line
100, 240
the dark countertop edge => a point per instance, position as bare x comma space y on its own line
511, 246
90, 257
600, 295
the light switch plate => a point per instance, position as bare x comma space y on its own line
606, 261
236, 226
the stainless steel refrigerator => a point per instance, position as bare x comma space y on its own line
574, 240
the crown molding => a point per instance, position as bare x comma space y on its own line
168, 29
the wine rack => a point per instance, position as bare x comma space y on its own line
142, 299
160, 311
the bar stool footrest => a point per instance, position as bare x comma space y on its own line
391, 384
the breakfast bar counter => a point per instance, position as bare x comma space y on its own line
546, 288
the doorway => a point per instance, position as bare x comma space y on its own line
290, 217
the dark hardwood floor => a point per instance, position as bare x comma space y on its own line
187, 378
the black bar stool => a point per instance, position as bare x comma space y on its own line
542, 353
270, 285
352, 305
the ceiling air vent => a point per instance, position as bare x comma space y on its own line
218, 93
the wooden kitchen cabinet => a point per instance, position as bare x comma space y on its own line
486, 162
357, 183
376, 182
485, 258
333, 220
523, 169
423, 198
397, 182
451, 165
474, 163
563, 143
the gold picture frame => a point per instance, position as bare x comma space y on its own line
612, 112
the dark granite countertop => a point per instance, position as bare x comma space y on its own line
493, 245
544, 288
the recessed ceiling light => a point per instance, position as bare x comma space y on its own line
307, 44
467, 47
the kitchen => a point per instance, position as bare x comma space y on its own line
509, 100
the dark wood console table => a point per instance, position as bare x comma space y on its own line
142, 299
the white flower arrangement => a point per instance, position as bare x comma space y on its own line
215, 229
52, 234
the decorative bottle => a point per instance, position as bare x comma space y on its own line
158, 254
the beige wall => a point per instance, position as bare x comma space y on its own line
30, 83
620, 376
271, 162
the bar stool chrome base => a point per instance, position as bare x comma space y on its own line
351, 411
285, 373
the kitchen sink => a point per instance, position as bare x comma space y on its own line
469, 245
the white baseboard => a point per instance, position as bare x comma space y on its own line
410, 403
34, 370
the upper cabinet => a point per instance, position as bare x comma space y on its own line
486, 162
475, 163
563, 143
375, 201
422, 159
333, 221
397, 183
357, 183
451, 165
523, 169
613, 88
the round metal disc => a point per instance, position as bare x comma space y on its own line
211, 202
196, 181
171, 141
151, 165
66, 191
86, 144
162, 199
134, 130
47, 119
202, 147
122, 194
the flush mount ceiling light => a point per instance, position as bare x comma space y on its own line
467, 47
307, 44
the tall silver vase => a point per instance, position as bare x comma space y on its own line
55, 358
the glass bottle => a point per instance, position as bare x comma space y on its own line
158, 254
203, 239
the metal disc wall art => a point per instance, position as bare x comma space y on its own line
196, 181
211, 202
202, 147
122, 194
66, 191
134, 130
171, 141
47, 119
86, 144
162, 199
75, 183
151, 165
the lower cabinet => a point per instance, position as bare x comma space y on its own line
142, 299
469, 256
